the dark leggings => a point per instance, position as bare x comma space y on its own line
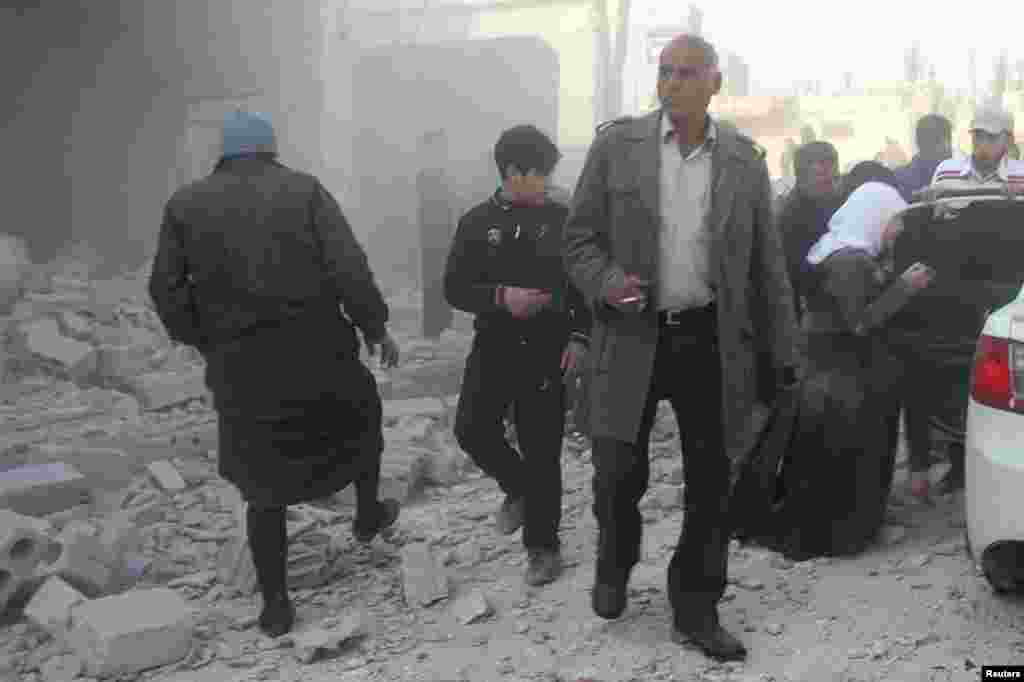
268, 536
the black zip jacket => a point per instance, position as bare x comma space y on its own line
497, 243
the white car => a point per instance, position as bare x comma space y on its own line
995, 449
975, 241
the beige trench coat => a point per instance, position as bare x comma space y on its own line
613, 229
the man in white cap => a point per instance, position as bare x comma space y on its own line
990, 162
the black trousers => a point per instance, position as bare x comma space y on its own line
506, 370
686, 373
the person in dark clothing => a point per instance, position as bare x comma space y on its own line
806, 211
532, 328
251, 266
934, 137
840, 473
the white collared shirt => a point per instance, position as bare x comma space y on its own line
684, 240
961, 174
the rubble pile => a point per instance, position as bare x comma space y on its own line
101, 334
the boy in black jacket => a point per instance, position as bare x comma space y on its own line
532, 328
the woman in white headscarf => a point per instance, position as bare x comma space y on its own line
839, 470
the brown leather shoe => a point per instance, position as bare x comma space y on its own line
708, 635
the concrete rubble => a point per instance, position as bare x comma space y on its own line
127, 516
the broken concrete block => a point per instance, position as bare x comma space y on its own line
166, 476
330, 635
127, 633
472, 607
65, 668
424, 578
43, 338
119, 535
22, 544
75, 326
116, 365
83, 562
38, 490
158, 390
52, 605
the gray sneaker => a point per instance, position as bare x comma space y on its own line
545, 566
510, 515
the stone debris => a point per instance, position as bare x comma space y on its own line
424, 577
52, 605
127, 633
667, 497
330, 636
160, 390
22, 547
83, 561
65, 668
37, 490
166, 476
472, 607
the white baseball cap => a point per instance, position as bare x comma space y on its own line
992, 120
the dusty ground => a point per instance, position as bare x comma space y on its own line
912, 609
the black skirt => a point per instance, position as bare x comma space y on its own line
298, 458
835, 480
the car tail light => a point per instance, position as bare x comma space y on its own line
998, 377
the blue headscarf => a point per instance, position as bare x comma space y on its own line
246, 132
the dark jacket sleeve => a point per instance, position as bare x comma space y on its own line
465, 283
580, 317
345, 267
170, 287
586, 240
774, 313
849, 280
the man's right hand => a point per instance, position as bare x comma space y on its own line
524, 303
630, 296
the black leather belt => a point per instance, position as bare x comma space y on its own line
687, 316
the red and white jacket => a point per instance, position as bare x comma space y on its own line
961, 174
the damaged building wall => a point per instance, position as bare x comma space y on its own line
102, 96
471, 89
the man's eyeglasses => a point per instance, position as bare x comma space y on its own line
683, 73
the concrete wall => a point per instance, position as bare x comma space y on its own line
474, 90
98, 98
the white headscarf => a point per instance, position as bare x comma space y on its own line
860, 222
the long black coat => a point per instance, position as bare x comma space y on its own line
252, 264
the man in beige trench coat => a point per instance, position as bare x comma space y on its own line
671, 240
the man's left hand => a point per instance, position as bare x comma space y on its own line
572, 357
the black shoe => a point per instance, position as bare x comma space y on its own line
609, 600
365, 530
709, 636
277, 617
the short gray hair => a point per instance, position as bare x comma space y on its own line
694, 40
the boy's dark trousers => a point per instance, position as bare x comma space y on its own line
506, 369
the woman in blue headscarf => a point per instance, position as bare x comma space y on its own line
251, 266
